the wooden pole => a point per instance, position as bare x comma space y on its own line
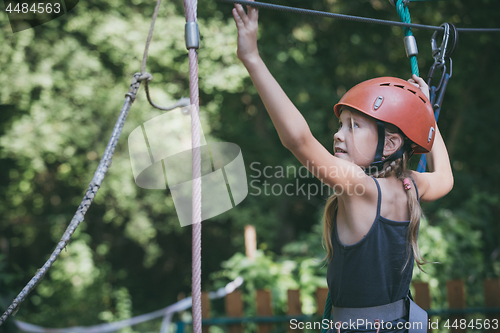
294, 306
264, 308
234, 308
321, 295
205, 310
250, 241
456, 300
492, 300
423, 297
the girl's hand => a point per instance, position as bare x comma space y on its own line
247, 25
421, 84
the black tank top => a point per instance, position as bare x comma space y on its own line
370, 272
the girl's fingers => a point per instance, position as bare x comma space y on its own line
237, 18
418, 79
241, 13
252, 12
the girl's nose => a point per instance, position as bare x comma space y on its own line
338, 136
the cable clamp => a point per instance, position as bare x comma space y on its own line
394, 2
411, 46
192, 35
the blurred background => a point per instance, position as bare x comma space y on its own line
63, 85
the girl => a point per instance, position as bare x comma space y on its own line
371, 223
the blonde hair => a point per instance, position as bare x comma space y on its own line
398, 169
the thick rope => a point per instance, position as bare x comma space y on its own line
404, 15
86, 201
190, 7
351, 17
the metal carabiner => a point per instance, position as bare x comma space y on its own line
439, 53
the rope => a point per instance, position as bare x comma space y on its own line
351, 17
147, 76
404, 15
86, 201
166, 313
190, 7
150, 35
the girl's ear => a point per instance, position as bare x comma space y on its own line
393, 141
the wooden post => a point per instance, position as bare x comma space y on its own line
264, 309
205, 310
492, 300
321, 295
234, 308
294, 306
250, 241
423, 297
456, 300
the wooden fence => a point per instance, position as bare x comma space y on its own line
455, 295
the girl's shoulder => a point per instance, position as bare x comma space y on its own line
394, 201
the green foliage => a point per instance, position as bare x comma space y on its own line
278, 275
63, 85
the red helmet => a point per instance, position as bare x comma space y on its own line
397, 102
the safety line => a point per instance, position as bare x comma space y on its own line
351, 17
404, 15
192, 45
166, 312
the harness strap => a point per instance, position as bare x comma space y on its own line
385, 313
418, 318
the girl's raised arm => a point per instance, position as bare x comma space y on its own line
289, 122
438, 181
292, 128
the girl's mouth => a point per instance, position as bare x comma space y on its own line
339, 150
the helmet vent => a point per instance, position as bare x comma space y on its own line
423, 100
399, 86
385, 84
413, 92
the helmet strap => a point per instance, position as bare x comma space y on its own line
379, 161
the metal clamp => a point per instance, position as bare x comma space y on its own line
192, 35
394, 2
411, 46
